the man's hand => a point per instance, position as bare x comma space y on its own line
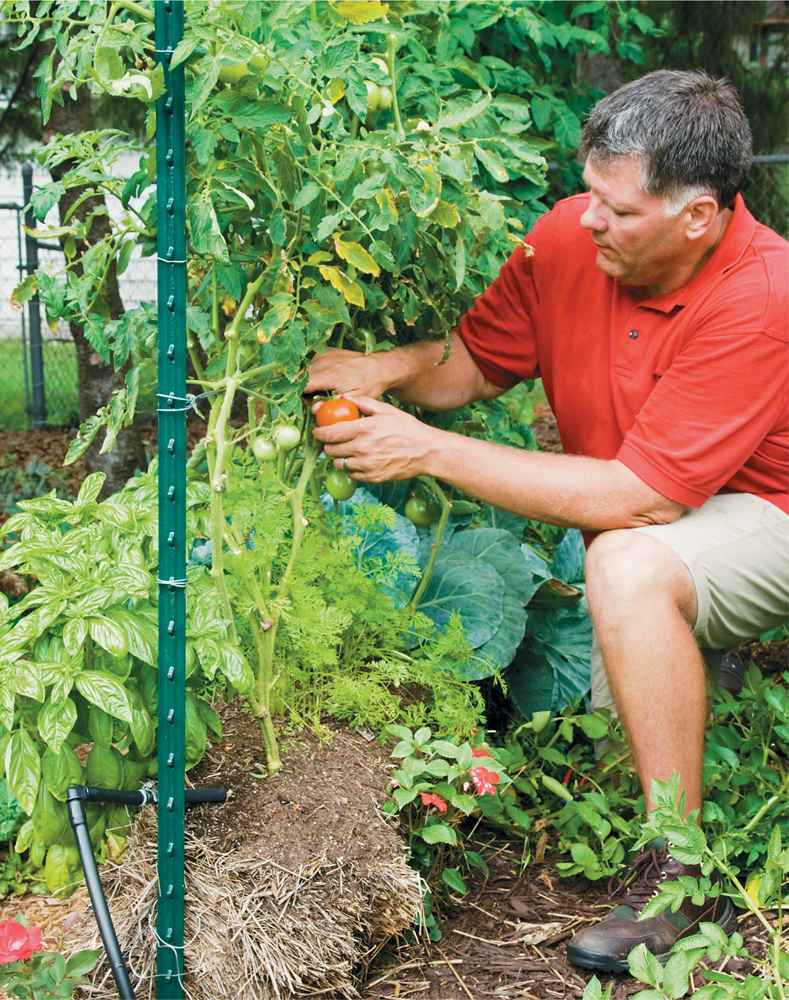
384, 445
346, 372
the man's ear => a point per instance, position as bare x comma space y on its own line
700, 215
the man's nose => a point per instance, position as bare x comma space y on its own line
593, 218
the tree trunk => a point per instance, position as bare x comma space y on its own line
97, 381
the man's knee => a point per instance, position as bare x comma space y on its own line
624, 567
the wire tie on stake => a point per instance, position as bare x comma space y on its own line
167, 260
160, 941
171, 583
190, 399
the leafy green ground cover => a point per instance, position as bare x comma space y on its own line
544, 785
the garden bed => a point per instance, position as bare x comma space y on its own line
506, 940
318, 825
293, 885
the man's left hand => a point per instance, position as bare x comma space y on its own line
383, 445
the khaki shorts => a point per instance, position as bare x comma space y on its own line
736, 548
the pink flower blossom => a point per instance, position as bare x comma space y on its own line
485, 780
18, 943
431, 799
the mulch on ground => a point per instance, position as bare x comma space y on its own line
506, 940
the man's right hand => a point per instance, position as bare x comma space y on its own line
342, 371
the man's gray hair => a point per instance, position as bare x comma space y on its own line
688, 129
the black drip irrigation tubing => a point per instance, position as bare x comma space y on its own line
76, 798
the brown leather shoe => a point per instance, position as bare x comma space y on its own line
606, 945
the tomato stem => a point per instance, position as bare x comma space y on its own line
446, 507
391, 54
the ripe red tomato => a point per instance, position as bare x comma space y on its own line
333, 411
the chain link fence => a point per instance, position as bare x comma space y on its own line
38, 369
38, 364
767, 191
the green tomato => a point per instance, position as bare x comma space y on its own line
421, 512
339, 484
286, 437
384, 98
264, 450
259, 61
373, 95
232, 71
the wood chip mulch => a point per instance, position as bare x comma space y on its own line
506, 940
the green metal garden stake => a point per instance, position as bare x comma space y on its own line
173, 406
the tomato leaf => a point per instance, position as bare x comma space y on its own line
356, 255
350, 291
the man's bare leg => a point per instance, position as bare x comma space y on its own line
643, 604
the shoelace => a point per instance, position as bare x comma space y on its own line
641, 883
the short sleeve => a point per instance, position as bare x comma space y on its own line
714, 405
500, 329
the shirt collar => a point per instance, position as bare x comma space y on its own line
738, 236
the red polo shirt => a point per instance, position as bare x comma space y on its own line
689, 390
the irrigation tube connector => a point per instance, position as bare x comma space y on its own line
76, 798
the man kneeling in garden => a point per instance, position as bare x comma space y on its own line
654, 308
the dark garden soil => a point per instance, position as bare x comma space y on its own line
506, 940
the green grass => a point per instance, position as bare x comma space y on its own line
60, 381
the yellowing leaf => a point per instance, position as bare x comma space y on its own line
445, 214
336, 90
276, 316
492, 164
752, 887
319, 257
387, 204
350, 291
360, 11
355, 254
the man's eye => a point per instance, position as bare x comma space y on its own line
619, 213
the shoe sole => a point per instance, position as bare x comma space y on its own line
602, 963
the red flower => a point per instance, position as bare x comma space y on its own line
18, 943
480, 752
431, 799
485, 780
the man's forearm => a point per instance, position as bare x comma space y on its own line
421, 378
568, 490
